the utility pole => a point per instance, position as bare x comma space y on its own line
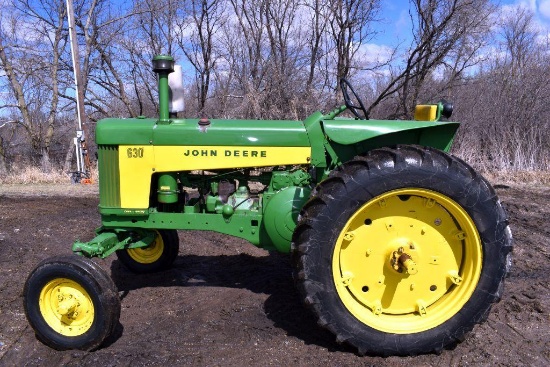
82, 157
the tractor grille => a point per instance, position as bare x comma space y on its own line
109, 176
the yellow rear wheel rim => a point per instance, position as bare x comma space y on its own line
66, 307
407, 261
149, 254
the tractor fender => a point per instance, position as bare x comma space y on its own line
349, 132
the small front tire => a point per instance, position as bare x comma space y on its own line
71, 303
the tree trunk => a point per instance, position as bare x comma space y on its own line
3, 167
45, 162
69, 157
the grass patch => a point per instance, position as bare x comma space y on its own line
519, 178
34, 175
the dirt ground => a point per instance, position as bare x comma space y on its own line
227, 303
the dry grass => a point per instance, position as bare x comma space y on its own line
32, 182
519, 178
34, 175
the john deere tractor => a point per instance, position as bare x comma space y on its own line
398, 247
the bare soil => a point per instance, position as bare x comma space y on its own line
228, 303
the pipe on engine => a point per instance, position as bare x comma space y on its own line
163, 65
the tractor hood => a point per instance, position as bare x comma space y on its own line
183, 132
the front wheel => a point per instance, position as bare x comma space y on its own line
71, 303
402, 252
159, 255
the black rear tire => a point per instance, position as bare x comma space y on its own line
344, 208
71, 303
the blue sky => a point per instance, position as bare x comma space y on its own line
395, 28
397, 21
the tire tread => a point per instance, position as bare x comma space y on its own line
377, 163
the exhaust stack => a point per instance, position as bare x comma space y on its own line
163, 65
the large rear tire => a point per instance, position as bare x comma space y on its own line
402, 251
71, 303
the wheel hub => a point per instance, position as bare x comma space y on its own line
403, 262
66, 307
149, 254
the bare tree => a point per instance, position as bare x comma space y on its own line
32, 63
294, 42
206, 18
445, 33
513, 131
7, 132
318, 10
275, 59
351, 26
268, 52
251, 25
519, 40
102, 31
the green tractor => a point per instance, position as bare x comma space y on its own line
398, 247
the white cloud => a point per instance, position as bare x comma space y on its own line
543, 7
539, 8
372, 54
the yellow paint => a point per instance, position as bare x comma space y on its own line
135, 175
425, 113
408, 301
149, 254
138, 163
188, 158
66, 307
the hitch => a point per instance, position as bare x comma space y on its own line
108, 241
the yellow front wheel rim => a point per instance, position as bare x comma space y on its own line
66, 307
149, 254
407, 261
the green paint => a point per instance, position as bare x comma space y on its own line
167, 188
107, 241
281, 215
273, 133
109, 184
244, 225
112, 131
317, 138
163, 65
267, 219
348, 131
